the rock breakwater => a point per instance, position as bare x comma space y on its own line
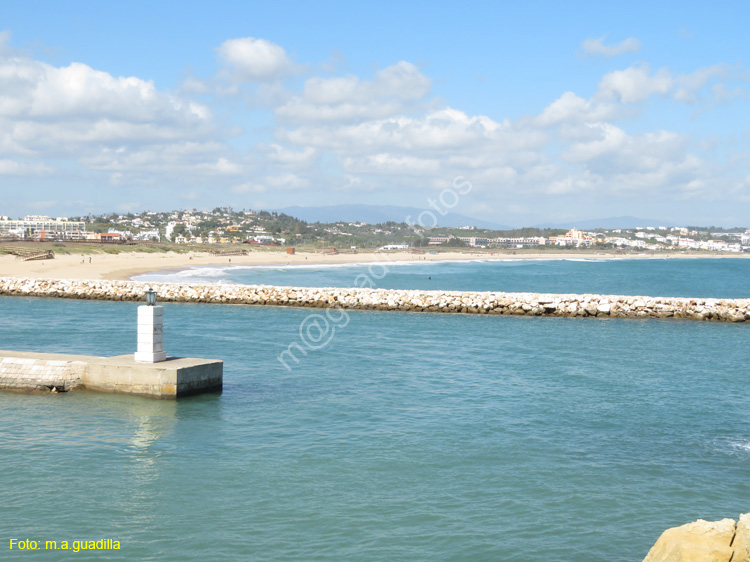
469, 302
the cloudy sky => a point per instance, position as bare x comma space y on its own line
553, 111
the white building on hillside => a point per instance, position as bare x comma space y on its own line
393, 247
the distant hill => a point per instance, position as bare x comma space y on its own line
373, 214
611, 222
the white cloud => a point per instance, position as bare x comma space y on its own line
351, 134
446, 131
392, 164
249, 187
38, 90
490, 175
297, 110
75, 111
597, 47
123, 126
607, 139
273, 183
578, 184
288, 157
255, 60
193, 85
74, 138
570, 107
611, 150
666, 180
287, 181
572, 147
689, 84
14, 168
351, 183
722, 95
634, 84
188, 160
348, 98
220, 166
402, 80
613, 163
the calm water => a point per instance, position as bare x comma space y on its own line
408, 437
726, 278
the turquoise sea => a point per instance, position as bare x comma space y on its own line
401, 437
654, 277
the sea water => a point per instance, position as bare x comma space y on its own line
718, 278
401, 437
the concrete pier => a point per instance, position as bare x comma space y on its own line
172, 378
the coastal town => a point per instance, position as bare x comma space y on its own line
224, 225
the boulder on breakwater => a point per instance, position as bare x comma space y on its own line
468, 302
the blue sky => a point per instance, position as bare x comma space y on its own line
553, 111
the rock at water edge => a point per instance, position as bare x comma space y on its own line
701, 541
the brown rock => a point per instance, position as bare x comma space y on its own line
701, 541
741, 543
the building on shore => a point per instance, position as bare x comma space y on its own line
475, 242
43, 227
573, 237
518, 242
438, 240
482, 242
388, 247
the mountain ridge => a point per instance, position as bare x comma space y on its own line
374, 214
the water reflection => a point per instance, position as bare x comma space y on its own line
147, 425
150, 420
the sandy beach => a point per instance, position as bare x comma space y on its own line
125, 265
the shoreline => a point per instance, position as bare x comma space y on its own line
127, 265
